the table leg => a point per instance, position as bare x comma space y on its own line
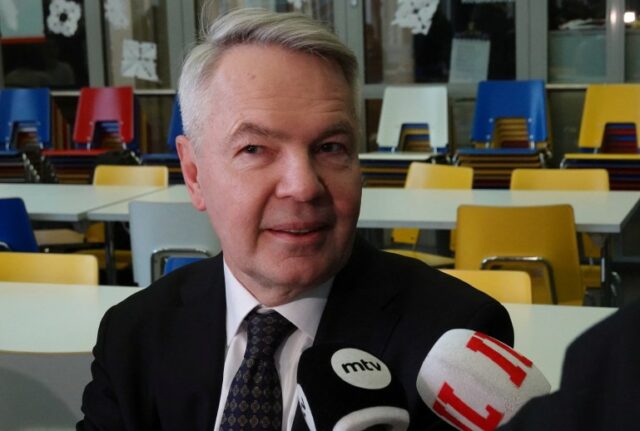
109, 254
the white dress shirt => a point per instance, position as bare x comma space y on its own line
304, 312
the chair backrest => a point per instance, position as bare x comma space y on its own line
174, 262
67, 268
504, 286
104, 105
608, 104
175, 127
169, 229
564, 179
16, 232
414, 104
560, 179
120, 175
546, 232
30, 107
431, 176
496, 100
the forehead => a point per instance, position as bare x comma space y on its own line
254, 71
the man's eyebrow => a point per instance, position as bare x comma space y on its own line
340, 128
249, 128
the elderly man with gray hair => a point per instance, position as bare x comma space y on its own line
270, 153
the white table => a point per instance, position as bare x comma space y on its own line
595, 212
120, 211
69, 202
46, 336
543, 332
47, 333
72, 203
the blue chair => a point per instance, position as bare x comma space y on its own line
174, 262
16, 233
170, 158
497, 100
175, 128
25, 109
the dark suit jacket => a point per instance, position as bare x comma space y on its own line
159, 357
600, 386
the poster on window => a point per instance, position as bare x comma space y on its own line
469, 59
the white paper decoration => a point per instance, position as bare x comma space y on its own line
139, 60
415, 14
63, 17
116, 13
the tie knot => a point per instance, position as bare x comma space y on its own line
265, 332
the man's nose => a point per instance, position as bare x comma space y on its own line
299, 179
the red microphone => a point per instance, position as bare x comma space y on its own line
475, 382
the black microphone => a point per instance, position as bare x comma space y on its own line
342, 388
475, 382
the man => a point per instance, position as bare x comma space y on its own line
270, 152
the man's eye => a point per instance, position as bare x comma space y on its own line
332, 147
251, 149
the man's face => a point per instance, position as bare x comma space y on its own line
277, 168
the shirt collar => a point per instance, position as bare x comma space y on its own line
304, 311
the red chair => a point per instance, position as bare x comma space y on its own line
105, 123
105, 113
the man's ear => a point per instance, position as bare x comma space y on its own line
190, 171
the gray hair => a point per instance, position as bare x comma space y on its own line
293, 31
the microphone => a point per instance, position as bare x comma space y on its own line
475, 382
341, 388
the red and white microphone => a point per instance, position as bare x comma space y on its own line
475, 382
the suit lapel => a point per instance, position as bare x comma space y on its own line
191, 352
361, 310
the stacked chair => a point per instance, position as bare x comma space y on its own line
608, 134
510, 130
170, 158
414, 127
106, 127
25, 130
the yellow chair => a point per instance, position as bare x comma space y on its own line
538, 239
430, 176
49, 268
128, 175
605, 104
121, 175
504, 286
568, 179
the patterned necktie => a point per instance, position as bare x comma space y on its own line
254, 401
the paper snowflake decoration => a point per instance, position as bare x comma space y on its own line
63, 17
297, 4
9, 14
116, 13
415, 14
139, 60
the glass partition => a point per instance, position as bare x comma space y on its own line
577, 38
43, 44
445, 42
631, 19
